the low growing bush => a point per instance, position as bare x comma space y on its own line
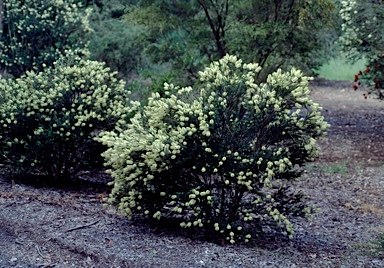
221, 157
48, 119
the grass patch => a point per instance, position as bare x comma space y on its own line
373, 249
329, 168
339, 69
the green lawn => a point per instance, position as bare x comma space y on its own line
338, 69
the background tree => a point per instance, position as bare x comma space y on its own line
363, 37
34, 32
278, 34
112, 40
282, 34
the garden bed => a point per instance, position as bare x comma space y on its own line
42, 226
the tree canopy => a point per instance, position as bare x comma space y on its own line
277, 34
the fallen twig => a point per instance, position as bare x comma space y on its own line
82, 226
39, 251
16, 203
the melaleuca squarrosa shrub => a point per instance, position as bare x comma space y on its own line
220, 156
49, 119
33, 32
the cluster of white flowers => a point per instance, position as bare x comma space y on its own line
206, 160
151, 140
61, 107
350, 38
38, 31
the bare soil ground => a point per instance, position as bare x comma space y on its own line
68, 227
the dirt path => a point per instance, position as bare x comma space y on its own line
357, 124
42, 227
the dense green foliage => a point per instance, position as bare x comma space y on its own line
37, 32
49, 118
112, 40
363, 37
220, 155
277, 34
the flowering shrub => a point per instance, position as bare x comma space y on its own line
33, 32
363, 37
48, 119
221, 160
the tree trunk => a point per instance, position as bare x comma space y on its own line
1, 15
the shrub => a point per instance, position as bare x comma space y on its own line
48, 119
33, 32
221, 160
373, 77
